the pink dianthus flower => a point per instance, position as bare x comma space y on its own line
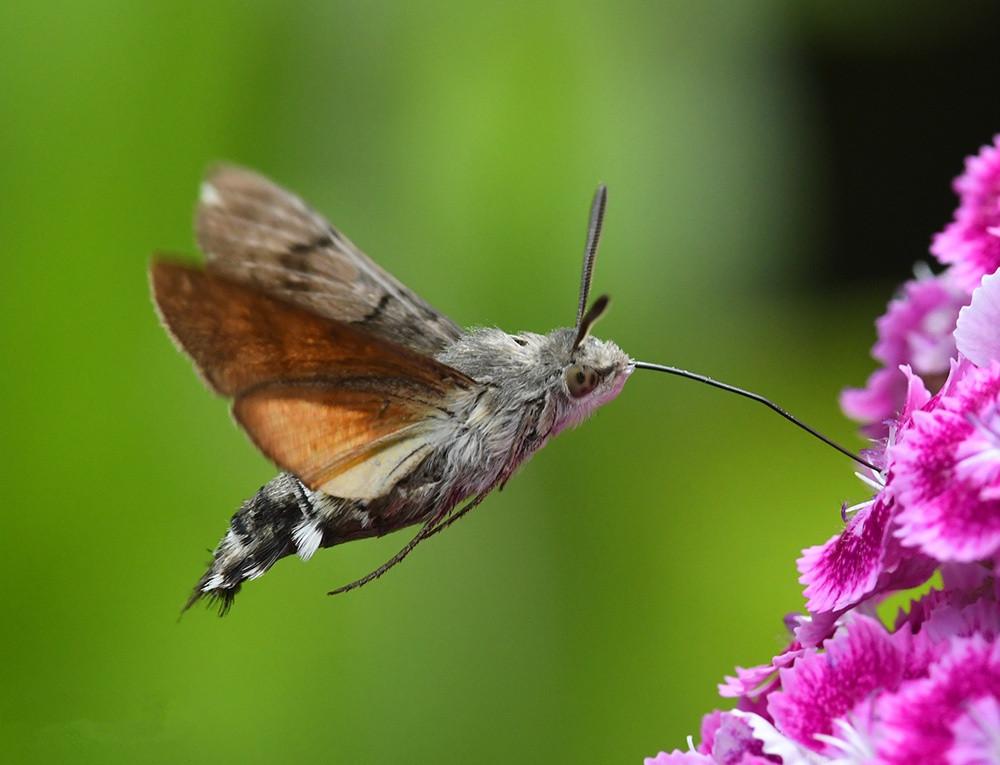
848, 689
916, 330
971, 242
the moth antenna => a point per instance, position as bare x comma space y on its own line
590, 251
588, 320
760, 399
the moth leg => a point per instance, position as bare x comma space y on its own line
527, 433
450, 519
438, 522
446, 522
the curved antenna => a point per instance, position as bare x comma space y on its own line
590, 251
760, 399
593, 314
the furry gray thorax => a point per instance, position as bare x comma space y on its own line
525, 376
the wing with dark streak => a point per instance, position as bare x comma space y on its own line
345, 410
256, 232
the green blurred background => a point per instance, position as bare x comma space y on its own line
774, 167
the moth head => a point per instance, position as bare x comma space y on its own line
587, 374
596, 369
593, 362
581, 371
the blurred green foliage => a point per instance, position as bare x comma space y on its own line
583, 615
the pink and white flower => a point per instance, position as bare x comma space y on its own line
947, 472
920, 721
823, 686
726, 739
977, 336
971, 242
916, 330
846, 568
848, 689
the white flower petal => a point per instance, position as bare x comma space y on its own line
777, 744
977, 334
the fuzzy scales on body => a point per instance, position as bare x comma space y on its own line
486, 434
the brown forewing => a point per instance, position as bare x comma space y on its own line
240, 337
314, 394
257, 233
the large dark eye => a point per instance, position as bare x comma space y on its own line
580, 380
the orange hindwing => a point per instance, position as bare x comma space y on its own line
346, 411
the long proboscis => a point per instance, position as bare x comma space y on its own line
758, 398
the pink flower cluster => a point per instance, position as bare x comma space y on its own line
926, 689
918, 327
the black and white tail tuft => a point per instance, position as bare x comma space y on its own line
281, 518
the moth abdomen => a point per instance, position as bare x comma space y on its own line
260, 533
284, 518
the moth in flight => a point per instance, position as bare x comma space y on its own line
379, 410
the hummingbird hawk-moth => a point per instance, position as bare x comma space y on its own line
379, 410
